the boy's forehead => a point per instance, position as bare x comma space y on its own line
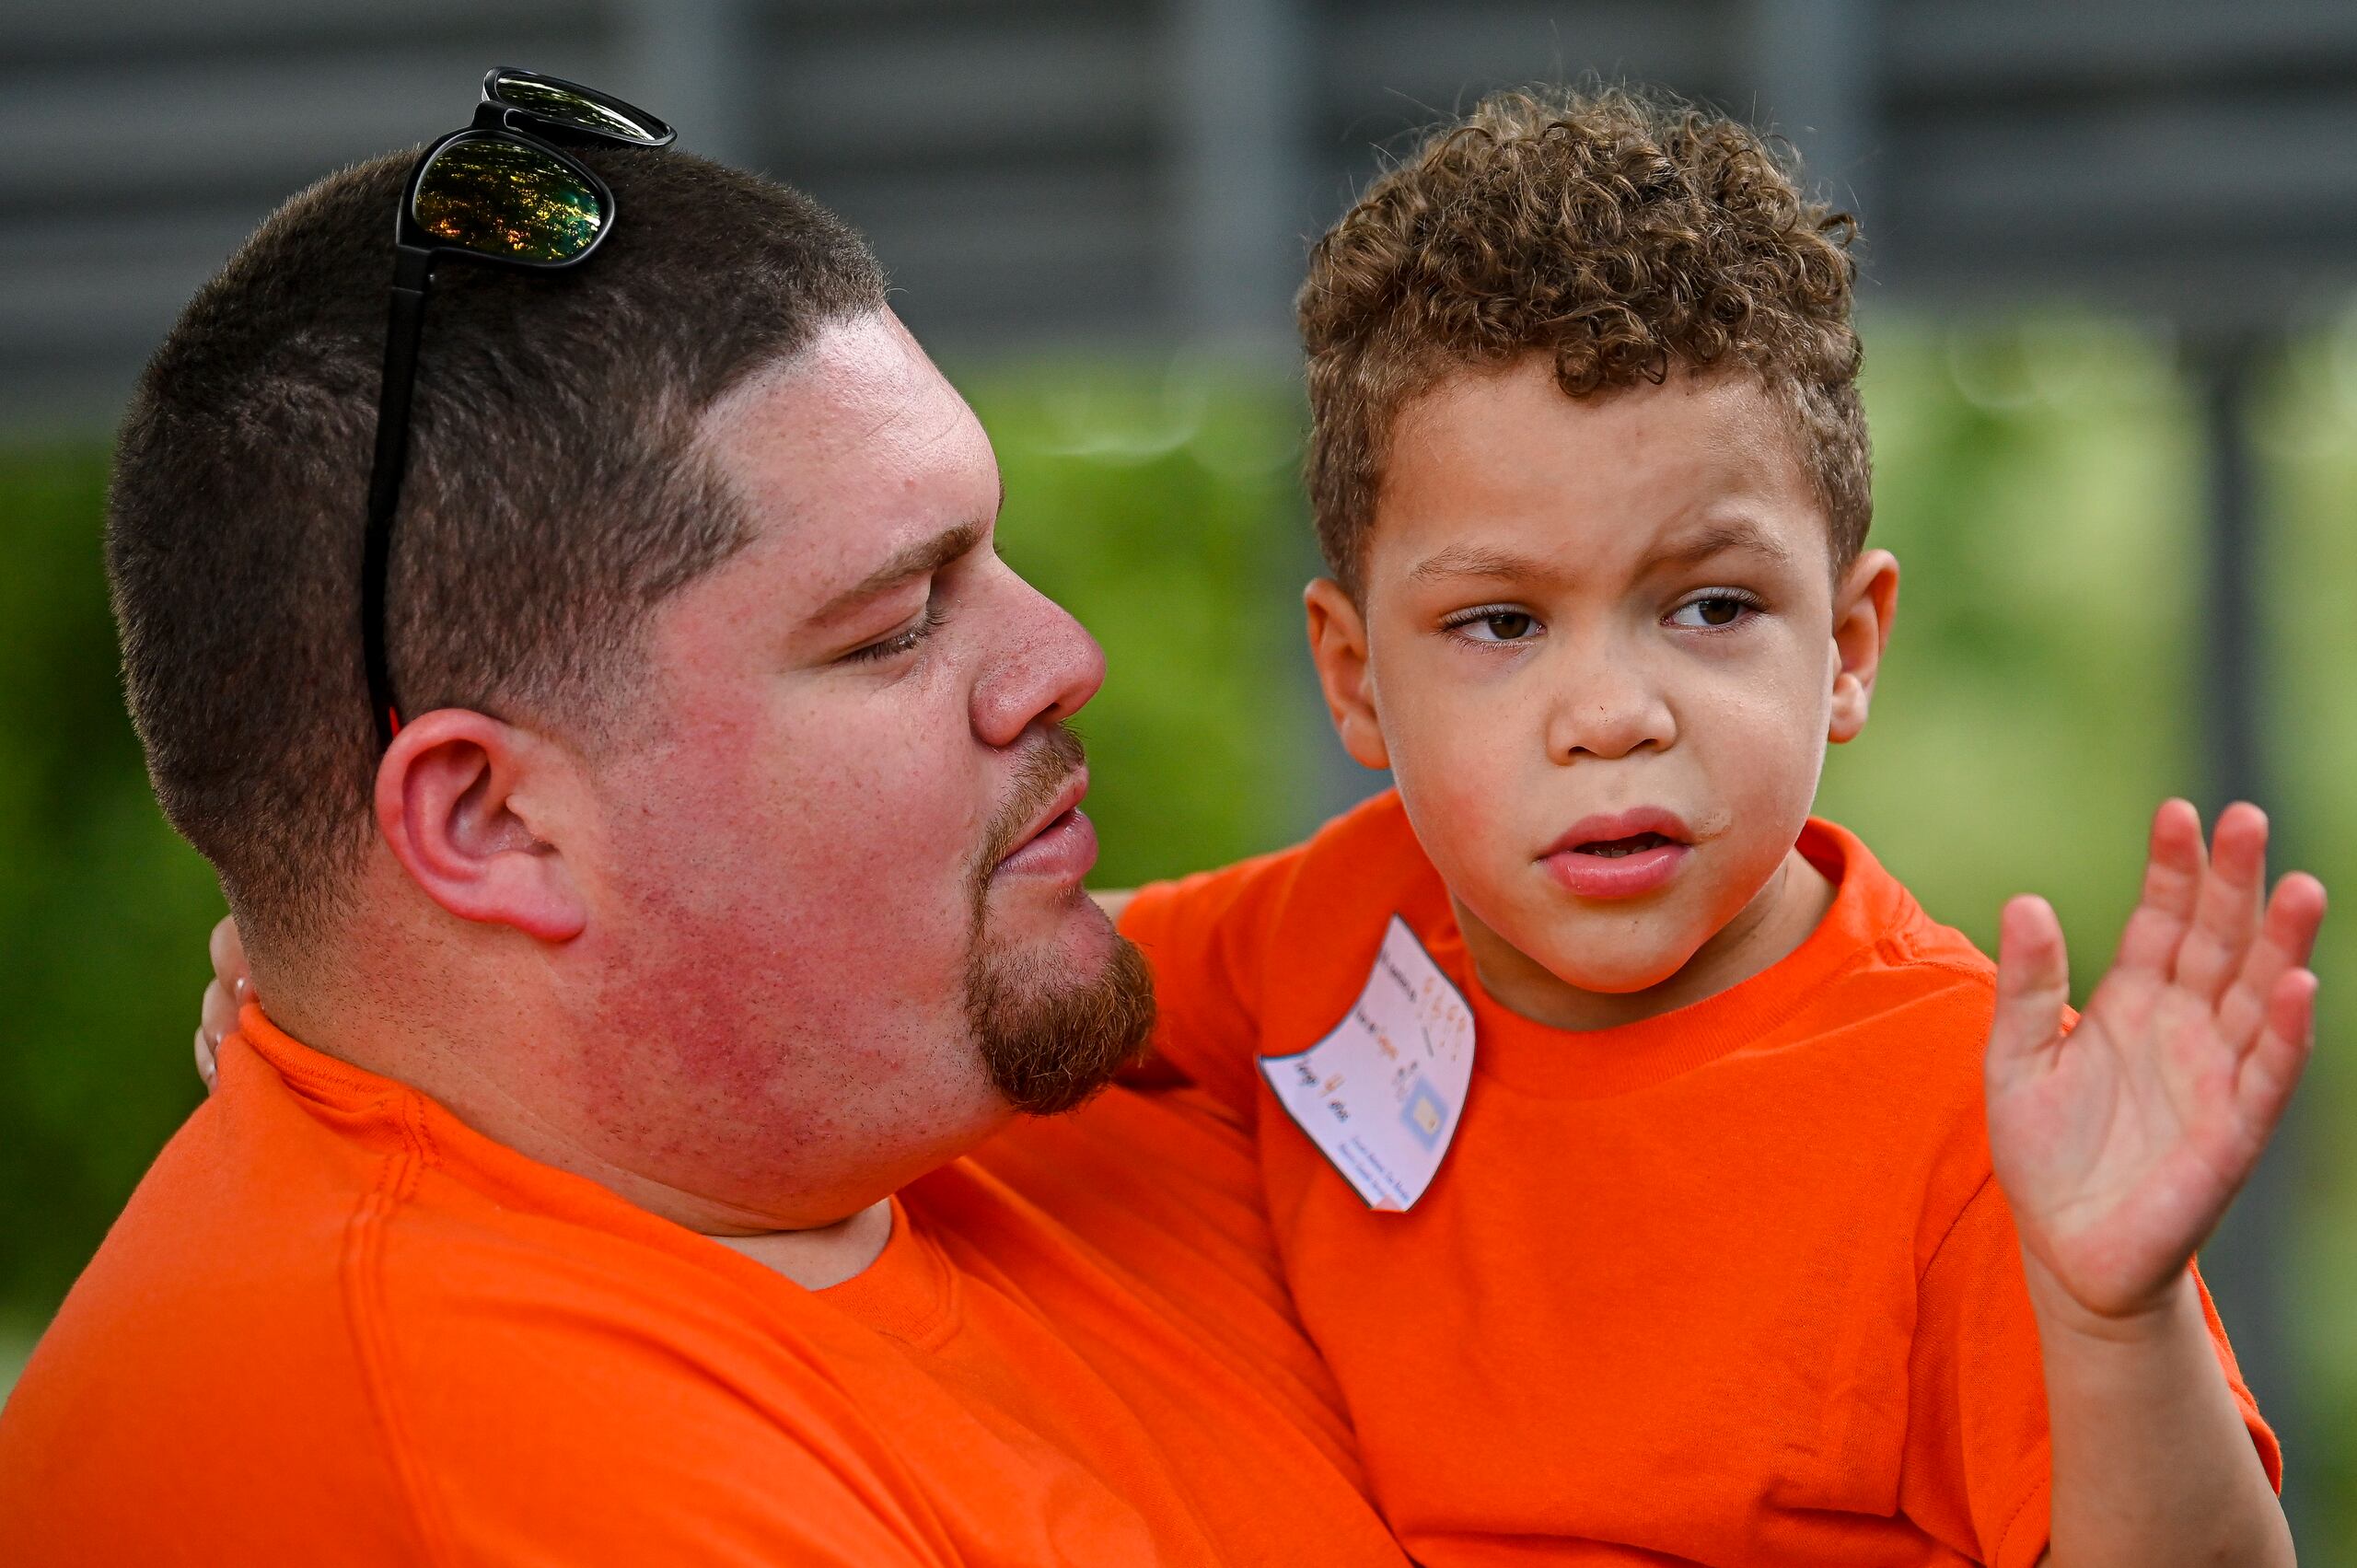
1507, 460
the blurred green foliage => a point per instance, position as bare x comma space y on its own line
1161, 504
2041, 480
102, 910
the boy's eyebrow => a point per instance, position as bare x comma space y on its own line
1716, 539
1472, 561
926, 555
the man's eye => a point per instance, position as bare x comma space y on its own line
901, 642
1711, 612
1498, 625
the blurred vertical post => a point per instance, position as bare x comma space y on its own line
1239, 122
692, 62
1239, 117
2244, 1261
1815, 67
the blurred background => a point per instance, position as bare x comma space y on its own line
2111, 311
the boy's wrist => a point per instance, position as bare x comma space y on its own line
2153, 1460
2063, 1318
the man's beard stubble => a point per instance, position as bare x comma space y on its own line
1050, 1039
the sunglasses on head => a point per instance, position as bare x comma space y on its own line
501, 192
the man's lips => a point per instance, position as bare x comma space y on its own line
1060, 842
1619, 854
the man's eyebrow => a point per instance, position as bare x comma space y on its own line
916, 561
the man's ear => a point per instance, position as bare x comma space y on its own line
461, 800
1338, 647
1865, 602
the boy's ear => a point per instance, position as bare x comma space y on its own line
1865, 602
1338, 647
464, 802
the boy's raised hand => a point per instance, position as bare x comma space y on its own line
2120, 1144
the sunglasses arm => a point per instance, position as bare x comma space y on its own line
404, 330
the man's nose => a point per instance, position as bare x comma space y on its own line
1605, 708
1046, 669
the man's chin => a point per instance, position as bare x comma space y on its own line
1056, 1020
1037, 935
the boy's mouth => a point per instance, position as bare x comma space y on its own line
1622, 856
1613, 849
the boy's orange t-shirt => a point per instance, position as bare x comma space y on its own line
336, 1326
1729, 1285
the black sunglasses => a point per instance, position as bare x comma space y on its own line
503, 192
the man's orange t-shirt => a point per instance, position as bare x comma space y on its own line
1729, 1285
336, 1326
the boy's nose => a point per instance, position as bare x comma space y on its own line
1606, 715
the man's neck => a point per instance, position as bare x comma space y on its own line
826, 1256
404, 1044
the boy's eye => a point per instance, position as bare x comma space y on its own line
1710, 612
1498, 625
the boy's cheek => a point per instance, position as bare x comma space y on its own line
1486, 802
1462, 824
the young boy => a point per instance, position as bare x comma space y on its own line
1623, 1126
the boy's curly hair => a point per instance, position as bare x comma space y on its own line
1620, 234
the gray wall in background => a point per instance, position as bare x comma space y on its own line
1042, 174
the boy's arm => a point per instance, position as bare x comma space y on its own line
1206, 937
1154, 1070
2119, 1143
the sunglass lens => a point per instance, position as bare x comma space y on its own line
568, 106
503, 199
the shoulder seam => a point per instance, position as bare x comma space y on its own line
1899, 946
362, 1272
1955, 1220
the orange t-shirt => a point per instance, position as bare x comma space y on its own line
336, 1326
1729, 1285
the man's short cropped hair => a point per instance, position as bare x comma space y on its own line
1621, 234
553, 495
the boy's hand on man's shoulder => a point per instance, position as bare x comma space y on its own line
2120, 1142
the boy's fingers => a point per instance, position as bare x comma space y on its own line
229, 953
2287, 934
218, 1015
2173, 868
2263, 1086
2225, 914
2033, 986
2295, 914
206, 1059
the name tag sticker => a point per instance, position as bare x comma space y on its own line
1380, 1096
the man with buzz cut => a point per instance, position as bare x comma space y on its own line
656, 921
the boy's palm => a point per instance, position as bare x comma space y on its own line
2121, 1143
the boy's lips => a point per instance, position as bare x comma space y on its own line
1620, 854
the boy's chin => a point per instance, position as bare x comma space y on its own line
1627, 978
1607, 958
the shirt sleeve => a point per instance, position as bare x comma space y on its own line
1208, 938
1976, 1472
